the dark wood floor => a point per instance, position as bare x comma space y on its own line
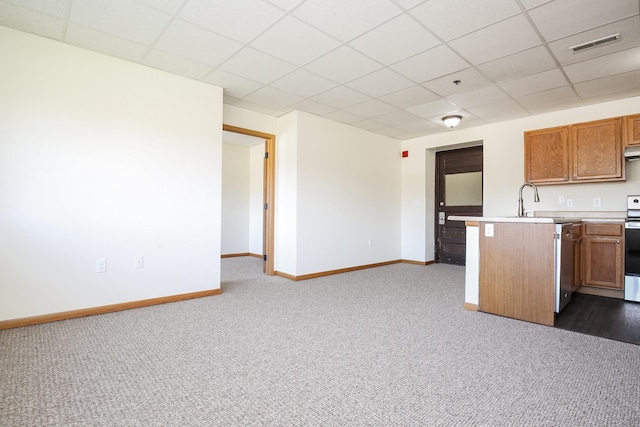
610, 318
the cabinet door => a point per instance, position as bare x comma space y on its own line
546, 155
603, 261
597, 151
632, 130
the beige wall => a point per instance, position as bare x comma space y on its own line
103, 158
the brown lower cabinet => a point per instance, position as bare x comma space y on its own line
517, 271
603, 255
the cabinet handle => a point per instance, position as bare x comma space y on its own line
575, 176
617, 242
565, 178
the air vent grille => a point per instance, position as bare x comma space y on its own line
595, 43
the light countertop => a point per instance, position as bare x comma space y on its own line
549, 217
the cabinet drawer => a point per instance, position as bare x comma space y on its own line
603, 229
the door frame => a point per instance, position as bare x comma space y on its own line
269, 184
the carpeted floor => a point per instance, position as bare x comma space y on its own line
389, 346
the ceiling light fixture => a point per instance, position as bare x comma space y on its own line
452, 121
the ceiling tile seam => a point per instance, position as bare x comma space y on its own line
111, 36
175, 16
555, 60
66, 20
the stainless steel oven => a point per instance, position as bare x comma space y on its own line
632, 250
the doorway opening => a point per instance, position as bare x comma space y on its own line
268, 193
458, 192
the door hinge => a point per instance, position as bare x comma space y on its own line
266, 155
266, 206
264, 257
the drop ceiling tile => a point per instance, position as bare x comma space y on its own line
433, 63
169, 6
450, 19
346, 20
408, 4
194, 43
482, 96
469, 78
614, 63
314, 107
392, 133
240, 20
539, 82
23, 19
397, 117
559, 19
395, 40
506, 108
519, 64
490, 43
307, 44
272, 97
379, 83
258, 108
233, 85
371, 108
228, 99
344, 117
121, 18
343, 64
285, 4
613, 96
551, 108
98, 41
176, 65
55, 8
254, 65
629, 30
340, 97
530, 4
548, 97
417, 127
369, 125
303, 83
607, 85
434, 108
409, 97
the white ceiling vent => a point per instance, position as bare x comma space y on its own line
594, 43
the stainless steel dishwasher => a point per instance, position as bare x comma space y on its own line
564, 264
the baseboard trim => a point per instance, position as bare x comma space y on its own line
408, 261
65, 315
470, 306
241, 254
332, 272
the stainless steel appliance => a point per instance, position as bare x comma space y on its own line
632, 250
564, 267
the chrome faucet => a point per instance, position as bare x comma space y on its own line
536, 198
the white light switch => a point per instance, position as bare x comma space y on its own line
101, 265
488, 230
139, 262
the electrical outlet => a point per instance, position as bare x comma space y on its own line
597, 202
138, 262
101, 265
488, 230
569, 203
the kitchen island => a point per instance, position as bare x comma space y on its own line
514, 265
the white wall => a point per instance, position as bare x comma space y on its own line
503, 146
235, 199
348, 192
103, 158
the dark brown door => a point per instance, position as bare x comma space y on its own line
458, 192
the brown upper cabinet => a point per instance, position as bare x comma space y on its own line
632, 130
583, 152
